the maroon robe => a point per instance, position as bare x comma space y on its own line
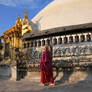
46, 68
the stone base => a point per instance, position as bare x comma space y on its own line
66, 76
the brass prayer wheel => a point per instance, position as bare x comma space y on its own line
71, 39
82, 38
59, 40
88, 36
48, 42
65, 40
31, 43
39, 43
54, 41
43, 42
76, 38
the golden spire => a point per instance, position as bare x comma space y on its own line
26, 16
18, 17
18, 22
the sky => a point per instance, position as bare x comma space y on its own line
9, 10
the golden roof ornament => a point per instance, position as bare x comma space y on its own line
26, 15
18, 17
18, 22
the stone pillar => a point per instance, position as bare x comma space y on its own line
13, 73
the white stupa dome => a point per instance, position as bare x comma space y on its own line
64, 13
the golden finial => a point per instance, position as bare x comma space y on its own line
18, 17
26, 16
18, 22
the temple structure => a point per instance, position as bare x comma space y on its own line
13, 35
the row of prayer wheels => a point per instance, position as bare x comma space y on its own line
59, 40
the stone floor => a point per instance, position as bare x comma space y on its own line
65, 82
29, 86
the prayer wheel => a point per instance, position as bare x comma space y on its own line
76, 38
35, 43
54, 41
27, 44
43, 42
71, 39
39, 43
65, 40
88, 36
59, 40
48, 42
24, 45
82, 38
31, 43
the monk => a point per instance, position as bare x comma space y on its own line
46, 67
